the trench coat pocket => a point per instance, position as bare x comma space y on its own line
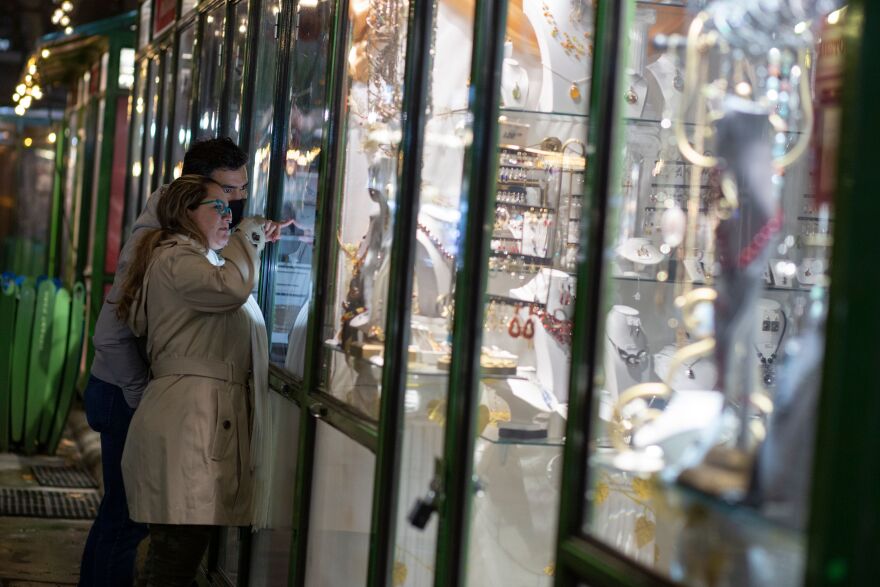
225, 429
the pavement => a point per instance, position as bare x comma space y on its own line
38, 552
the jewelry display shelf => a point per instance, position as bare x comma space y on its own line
702, 283
491, 434
416, 368
525, 206
531, 259
635, 120
512, 301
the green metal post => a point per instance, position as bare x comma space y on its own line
419, 63
845, 518
612, 18
478, 189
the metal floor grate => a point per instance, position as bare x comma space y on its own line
63, 476
48, 503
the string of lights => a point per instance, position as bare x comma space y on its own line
28, 89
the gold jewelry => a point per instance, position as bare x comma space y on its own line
574, 91
570, 45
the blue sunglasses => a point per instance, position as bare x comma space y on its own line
220, 206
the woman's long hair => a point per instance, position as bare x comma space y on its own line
183, 194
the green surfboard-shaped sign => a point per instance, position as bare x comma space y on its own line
8, 301
57, 352
71, 364
21, 350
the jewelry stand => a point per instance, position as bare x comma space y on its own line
562, 70
626, 360
771, 327
514, 81
700, 374
433, 273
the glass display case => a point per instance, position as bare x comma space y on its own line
707, 357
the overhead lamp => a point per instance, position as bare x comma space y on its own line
16, 97
32, 68
67, 6
25, 102
52, 137
37, 93
28, 141
68, 30
20, 110
65, 20
20, 88
45, 53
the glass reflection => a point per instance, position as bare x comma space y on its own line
262, 109
236, 72
181, 133
211, 62
306, 128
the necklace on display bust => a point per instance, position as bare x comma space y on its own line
768, 368
571, 45
435, 241
631, 359
574, 91
689, 369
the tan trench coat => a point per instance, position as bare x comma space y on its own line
186, 458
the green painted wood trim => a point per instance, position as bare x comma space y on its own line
323, 268
845, 519
102, 195
471, 276
386, 480
590, 563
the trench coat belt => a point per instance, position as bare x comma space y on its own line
200, 367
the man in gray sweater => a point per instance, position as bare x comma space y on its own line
120, 373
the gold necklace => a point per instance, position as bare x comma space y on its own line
574, 91
572, 46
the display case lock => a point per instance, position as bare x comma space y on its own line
424, 507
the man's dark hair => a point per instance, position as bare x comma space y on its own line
205, 156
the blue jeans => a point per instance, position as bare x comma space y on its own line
109, 555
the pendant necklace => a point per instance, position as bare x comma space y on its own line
574, 91
631, 359
689, 371
768, 368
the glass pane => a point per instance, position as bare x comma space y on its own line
373, 86
183, 100
339, 523
262, 109
144, 26
715, 292
528, 313
149, 168
307, 123
167, 103
137, 107
236, 73
447, 135
270, 550
211, 62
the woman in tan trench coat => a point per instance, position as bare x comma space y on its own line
186, 461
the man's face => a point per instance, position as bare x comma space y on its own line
234, 183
